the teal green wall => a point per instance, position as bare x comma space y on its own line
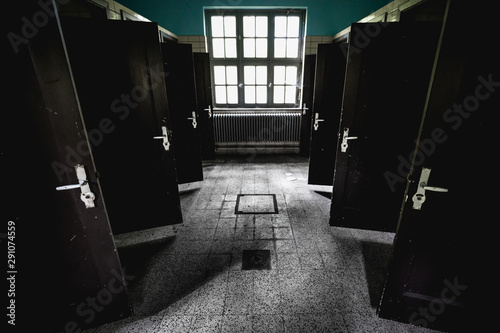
185, 17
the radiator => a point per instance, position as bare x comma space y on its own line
262, 131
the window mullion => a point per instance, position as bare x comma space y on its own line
270, 56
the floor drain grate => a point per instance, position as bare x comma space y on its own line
256, 204
256, 260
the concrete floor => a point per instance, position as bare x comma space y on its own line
189, 277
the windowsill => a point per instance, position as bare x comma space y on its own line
258, 109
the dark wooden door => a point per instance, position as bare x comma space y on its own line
64, 260
307, 104
328, 90
205, 105
118, 72
182, 105
439, 276
386, 84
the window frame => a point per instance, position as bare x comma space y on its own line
270, 61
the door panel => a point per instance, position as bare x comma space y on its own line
386, 84
437, 276
307, 104
328, 89
205, 106
65, 254
181, 93
118, 73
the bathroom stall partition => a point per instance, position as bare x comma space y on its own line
389, 66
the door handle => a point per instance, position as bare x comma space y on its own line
86, 195
316, 121
419, 197
209, 110
193, 119
304, 109
345, 139
164, 137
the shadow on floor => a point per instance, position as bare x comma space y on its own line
186, 193
327, 195
376, 258
159, 284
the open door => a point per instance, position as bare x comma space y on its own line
182, 105
386, 84
64, 270
328, 89
205, 106
118, 71
439, 275
307, 103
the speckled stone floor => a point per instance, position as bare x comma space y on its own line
189, 277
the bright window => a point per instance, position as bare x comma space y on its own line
256, 57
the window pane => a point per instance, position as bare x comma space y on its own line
261, 26
232, 94
230, 26
293, 26
219, 75
218, 46
250, 94
280, 48
232, 74
261, 47
290, 94
279, 74
249, 74
261, 74
261, 94
249, 47
279, 94
220, 94
280, 26
248, 26
291, 75
217, 26
230, 47
292, 48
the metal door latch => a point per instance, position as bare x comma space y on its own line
209, 110
193, 119
304, 109
86, 196
316, 121
164, 137
345, 138
419, 197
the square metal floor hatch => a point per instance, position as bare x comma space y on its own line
256, 260
256, 204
